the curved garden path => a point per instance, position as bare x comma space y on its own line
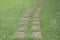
30, 23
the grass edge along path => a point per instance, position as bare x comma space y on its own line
50, 20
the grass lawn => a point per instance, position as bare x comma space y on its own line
11, 12
50, 20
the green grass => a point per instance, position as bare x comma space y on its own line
50, 20
10, 14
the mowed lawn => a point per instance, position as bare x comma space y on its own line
11, 12
50, 20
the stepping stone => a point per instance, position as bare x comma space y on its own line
36, 34
36, 22
36, 14
20, 34
23, 22
25, 19
35, 27
36, 19
22, 28
30, 10
26, 15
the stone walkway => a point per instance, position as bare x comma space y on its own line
35, 23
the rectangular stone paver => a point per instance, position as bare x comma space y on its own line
22, 27
34, 27
20, 34
36, 35
23, 22
25, 19
36, 14
26, 15
36, 19
35, 22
